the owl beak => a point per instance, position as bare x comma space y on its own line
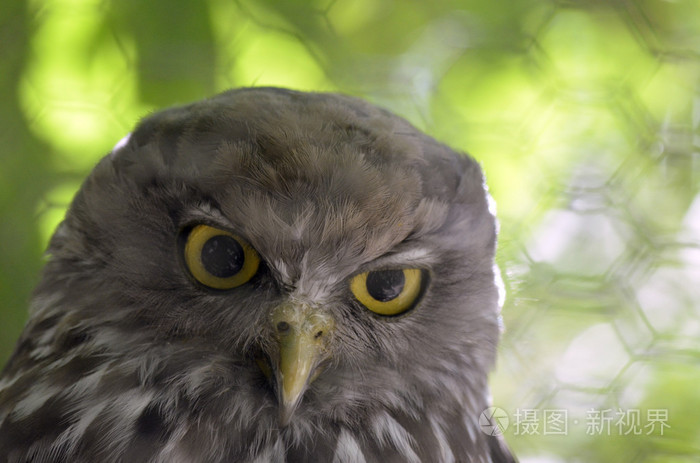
302, 333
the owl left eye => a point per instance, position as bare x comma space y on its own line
219, 259
388, 292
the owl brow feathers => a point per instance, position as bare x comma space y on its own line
409, 252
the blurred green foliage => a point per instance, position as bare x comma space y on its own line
585, 115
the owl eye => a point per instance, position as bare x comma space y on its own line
219, 259
387, 292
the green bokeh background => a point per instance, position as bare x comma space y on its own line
585, 115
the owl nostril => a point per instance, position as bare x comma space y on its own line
318, 335
283, 327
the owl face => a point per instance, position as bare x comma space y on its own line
278, 262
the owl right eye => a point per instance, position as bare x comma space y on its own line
219, 259
388, 292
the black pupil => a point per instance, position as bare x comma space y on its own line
222, 256
385, 285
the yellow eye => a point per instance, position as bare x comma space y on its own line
387, 292
219, 259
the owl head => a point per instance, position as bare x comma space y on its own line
278, 262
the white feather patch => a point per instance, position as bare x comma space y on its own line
34, 400
120, 144
388, 431
446, 455
347, 449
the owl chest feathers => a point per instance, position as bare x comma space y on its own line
166, 407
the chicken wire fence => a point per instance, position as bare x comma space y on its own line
584, 115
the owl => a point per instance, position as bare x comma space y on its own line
264, 276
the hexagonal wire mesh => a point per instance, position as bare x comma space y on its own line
584, 114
